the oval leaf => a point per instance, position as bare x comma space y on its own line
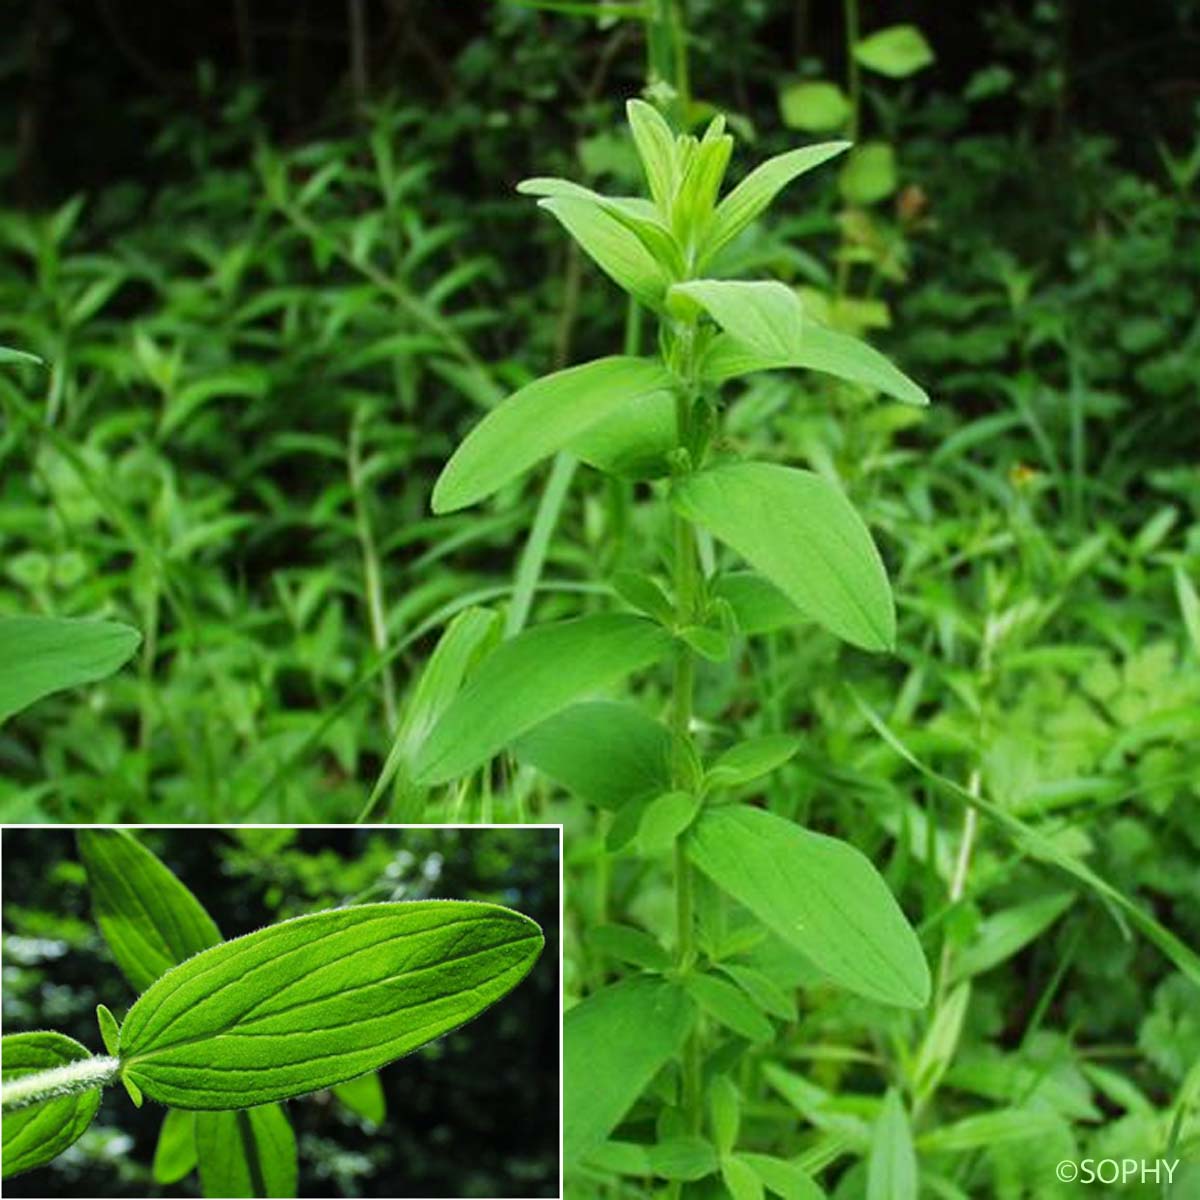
819, 894
40, 655
37, 1133
251, 1152
150, 920
539, 420
897, 51
320, 999
606, 752
530, 678
175, 1154
804, 535
614, 1043
822, 350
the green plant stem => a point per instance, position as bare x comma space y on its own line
372, 575
686, 581
854, 89
69, 1080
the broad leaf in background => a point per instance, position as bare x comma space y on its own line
37, 1133
320, 1000
606, 752
540, 419
898, 51
821, 895
40, 655
265, 1162
892, 1162
819, 349
149, 919
802, 533
364, 1096
530, 678
175, 1153
614, 1043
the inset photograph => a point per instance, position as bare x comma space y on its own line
268, 1011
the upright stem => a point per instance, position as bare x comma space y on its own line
686, 581
854, 87
372, 575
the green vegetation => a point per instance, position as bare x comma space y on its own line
304, 1010
873, 724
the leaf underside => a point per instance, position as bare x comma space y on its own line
34, 1135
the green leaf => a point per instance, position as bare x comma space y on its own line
783, 1178
364, 1096
803, 534
820, 895
892, 1162
1003, 934
319, 1000
35, 1134
725, 1113
612, 246
822, 350
729, 1006
656, 148
741, 1180
539, 420
9, 355
463, 643
767, 317
634, 442
40, 655
752, 196
109, 1032
898, 51
606, 752
627, 944
684, 1158
1189, 606
763, 990
251, 1152
665, 818
528, 679
614, 1043
751, 760
149, 919
869, 174
639, 216
816, 106
175, 1153
758, 606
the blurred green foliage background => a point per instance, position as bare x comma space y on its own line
473, 1114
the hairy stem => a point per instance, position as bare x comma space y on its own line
69, 1080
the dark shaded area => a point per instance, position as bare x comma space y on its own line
473, 1114
88, 85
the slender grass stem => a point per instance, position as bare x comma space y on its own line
372, 574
